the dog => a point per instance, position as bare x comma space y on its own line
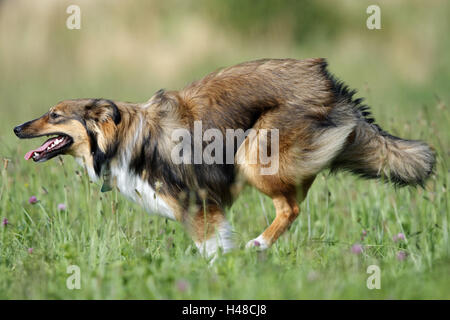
315, 123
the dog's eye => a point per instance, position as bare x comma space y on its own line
54, 115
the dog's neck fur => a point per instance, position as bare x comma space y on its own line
118, 167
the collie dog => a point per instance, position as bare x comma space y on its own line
169, 154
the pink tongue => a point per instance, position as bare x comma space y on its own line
30, 153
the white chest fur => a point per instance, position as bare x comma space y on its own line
141, 192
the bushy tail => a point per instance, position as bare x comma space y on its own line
373, 153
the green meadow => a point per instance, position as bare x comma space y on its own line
127, 51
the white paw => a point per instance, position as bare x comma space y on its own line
258, 243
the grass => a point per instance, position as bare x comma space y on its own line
122, 252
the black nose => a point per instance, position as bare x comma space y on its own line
17, 130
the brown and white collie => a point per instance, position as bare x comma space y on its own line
313, 119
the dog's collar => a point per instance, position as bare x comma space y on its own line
106, 175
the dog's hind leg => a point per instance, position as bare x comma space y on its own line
287, 209
210, 230
291, 179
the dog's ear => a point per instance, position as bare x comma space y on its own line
102, 117
102, 110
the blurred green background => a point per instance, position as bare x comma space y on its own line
127, 50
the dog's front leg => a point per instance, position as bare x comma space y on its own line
210, 231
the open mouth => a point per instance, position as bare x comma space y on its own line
50, 148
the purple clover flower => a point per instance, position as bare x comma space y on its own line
357, 248
398, 237
32, 200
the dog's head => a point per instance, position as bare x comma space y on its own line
83, 128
